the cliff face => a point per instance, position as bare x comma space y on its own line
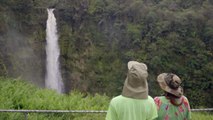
98, 37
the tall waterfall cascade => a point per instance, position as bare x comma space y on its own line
53, 78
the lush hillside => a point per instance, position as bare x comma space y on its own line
98, 37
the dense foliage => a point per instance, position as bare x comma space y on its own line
17, 94
98, 38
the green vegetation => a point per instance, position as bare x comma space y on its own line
18, 94
202, 116
98, 37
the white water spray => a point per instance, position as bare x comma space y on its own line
53, 78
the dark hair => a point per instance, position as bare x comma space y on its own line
169, 95
172, 98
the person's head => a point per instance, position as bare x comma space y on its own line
135, 85
171, 84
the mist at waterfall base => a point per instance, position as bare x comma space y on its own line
53, 78
17, 52
23, 62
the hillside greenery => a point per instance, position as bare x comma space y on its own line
98, 37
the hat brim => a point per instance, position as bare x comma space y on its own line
161, 80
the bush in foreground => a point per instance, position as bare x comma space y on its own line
18, 94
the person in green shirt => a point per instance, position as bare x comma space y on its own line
173, 105
134, 103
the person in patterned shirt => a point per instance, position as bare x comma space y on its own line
173, 105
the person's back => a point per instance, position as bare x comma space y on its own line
173, 105
168, 111
124, 108
134, 103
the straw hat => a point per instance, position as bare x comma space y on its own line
135, 85
170, 83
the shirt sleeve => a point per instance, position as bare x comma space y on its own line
189, 109
111, 113
153, 114
157, 102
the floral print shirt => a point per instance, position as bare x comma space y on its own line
168, 111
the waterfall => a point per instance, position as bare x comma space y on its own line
53, 78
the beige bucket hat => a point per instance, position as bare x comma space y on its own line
170, 83
135, 85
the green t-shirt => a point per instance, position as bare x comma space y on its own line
168, 111
123, 108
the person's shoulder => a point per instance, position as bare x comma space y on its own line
116, 98
158, 97
151, 98
185, 99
